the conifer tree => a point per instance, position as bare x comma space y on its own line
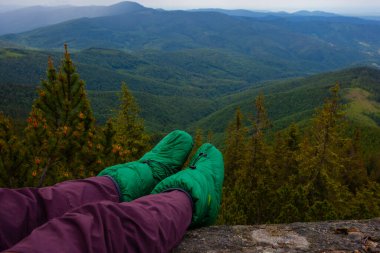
235, 162
374, 167
354, 174
286, 205
131, 140
258, 173
61, 126
322, 161
284, 161
252, 187
258, 147
235, 153
107, 150
13, 171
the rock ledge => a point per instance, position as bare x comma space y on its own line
330, 237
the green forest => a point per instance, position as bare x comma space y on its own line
275, 171
60, 140
317, 173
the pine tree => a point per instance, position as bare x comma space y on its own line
354, 174
13, 170
258, 174
286, 147
252, 187
60, 127
322, 162
286, 206
235, 162
107, 150
258, 148
235, 153
131, 140
374, 167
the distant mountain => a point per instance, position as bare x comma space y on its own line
239, 12
29, 18
266, 14
377, 18
6, 7
302, 44
314, 14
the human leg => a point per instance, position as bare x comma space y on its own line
22, 210
154, 223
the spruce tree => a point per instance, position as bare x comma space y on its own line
286, 205
322, 161
284, 161
258, 173
235, 162
131, 140
61, 126
107, 150
252, 188
354, 174
235, 152
259, 150
13, 170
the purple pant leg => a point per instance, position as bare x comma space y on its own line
22, 210
154, 223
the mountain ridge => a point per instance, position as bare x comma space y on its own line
301, 44
29, 18
263, 14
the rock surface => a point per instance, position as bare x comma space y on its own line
329, 237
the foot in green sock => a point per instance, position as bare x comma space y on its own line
137, 179
203, 181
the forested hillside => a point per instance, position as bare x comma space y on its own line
292, 100
318, 171
205, 88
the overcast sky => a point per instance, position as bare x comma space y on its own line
337, 6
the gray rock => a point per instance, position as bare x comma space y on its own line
329, 237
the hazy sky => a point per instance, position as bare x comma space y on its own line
338, 6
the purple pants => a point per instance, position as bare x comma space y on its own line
86, 216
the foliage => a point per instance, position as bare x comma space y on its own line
316, 169
130, 134
206, 85
60, 140
61, 127
13, 171
319, 174
235, 159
